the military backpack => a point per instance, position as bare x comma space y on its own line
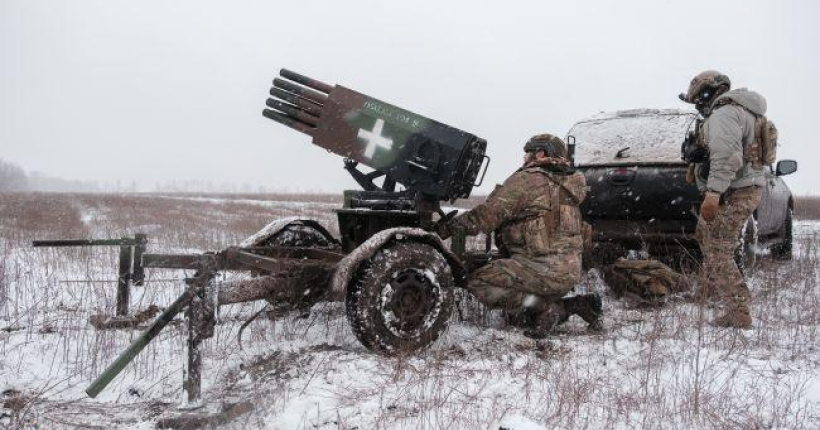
648, 280
763, 149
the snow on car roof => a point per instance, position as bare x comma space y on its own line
652, 136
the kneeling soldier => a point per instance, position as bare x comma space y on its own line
536, 211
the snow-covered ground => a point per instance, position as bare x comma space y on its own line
663, 368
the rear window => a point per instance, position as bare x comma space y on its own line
652, 136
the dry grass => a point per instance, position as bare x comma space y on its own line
807, 207
652, 368
172, 220
294, 197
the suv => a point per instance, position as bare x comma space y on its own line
638, 197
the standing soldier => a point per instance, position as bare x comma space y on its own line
536, 211
730, 174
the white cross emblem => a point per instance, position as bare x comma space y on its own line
374, 138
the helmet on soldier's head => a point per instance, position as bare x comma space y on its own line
703, 87
552, 146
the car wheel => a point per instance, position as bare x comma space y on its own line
783, 250
603, 254
746, 250
401, 299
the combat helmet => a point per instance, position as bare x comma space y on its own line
704, 87
552, 145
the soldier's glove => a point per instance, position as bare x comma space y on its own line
442, 229
709, 207
444, 226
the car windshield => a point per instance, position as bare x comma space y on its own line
641, 136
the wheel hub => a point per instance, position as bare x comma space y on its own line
411, 297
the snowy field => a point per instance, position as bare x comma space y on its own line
664, 368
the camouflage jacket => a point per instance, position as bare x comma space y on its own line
536, 211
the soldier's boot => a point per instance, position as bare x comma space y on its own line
736, 315
547, 316
520, 318
587, 306
736, 310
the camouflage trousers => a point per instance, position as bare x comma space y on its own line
511, 283
719, 274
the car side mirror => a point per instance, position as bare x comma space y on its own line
786, 167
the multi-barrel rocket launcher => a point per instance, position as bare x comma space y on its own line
394, 276
433, 161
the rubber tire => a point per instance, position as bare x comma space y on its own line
783, 250
603, 254
745, 253
299, 235
366, 295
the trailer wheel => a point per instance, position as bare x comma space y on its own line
302, 235
301, 297
401, 299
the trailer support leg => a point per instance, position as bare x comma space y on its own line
124, 280
138, 270
200, 317
193, 370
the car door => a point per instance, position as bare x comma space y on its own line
764, 223
772, 209
779, 203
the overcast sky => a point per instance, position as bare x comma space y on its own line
173, 90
